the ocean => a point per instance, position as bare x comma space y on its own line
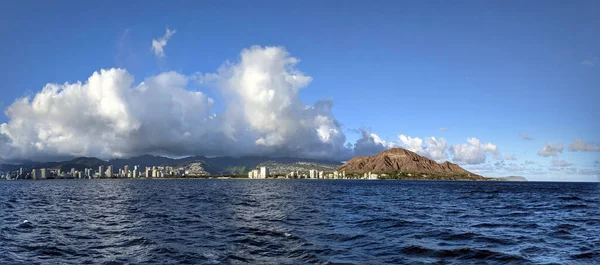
204, 221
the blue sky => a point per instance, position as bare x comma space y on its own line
487, 70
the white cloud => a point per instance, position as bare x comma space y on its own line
580, 145
443, 129
525, 137
590, 62
550, 150
560, 163
110, 116
412, 144
510, 157
529, 162
474, 152
158, 45
433, 148
370, 144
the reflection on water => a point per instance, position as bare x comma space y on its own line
295, 221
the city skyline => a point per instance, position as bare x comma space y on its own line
466, 85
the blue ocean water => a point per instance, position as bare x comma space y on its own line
193, 221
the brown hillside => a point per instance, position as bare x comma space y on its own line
401, 160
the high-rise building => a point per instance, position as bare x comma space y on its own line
264, 172
21, 172
43, 173
126, 170
101, 171
312, 174
109, 171
148, 172
36, 174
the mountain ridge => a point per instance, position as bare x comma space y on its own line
400, 160
213, 165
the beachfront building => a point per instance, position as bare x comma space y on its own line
36, 174
264, 172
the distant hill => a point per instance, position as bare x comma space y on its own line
398, 160
283, 168
511, 178
202, 165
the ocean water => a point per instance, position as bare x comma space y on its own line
298, 222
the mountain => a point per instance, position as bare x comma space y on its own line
199, 164
511, 178
397, 161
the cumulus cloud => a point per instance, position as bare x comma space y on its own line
370, 144
580, 145
590, 62
474, 152
110, 116
510, 157
433, 148
159, 44
525, 137
551, 149
512, 167
560, 163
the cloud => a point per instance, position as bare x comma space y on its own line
514, 168
443, 129
370, 144
529, 162
109, 116
580, 145
590, 62
550, 150
510, 157
560, 163
158, 45
481, 168
433, 148
474, 152
525, 137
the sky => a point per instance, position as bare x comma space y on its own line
501, 88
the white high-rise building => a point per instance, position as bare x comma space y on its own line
264, 172
43, 173
312, 174
36, 174
109, 171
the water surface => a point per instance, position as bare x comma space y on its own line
297, 222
